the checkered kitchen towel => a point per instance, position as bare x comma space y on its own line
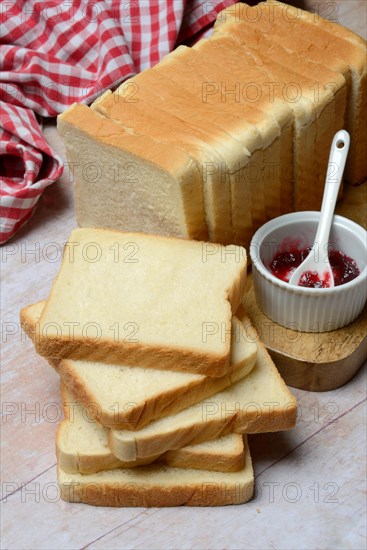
57, 52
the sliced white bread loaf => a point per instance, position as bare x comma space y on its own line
153, 90
204, 78
126, 397
281, 31
185, 68
261, 402
284, 33
309, 113
337, 40
333, 97
145, 301
159, 485
215, 152
82, 447
119, 171
245, 89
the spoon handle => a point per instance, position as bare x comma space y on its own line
338, 156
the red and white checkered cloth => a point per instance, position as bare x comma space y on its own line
57, 52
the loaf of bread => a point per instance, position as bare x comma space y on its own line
115, 173
311, 37
216, 139
326, 109
221, 158
126, 397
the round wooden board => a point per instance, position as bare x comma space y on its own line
317, 361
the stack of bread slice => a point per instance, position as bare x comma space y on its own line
216, 139
162, 374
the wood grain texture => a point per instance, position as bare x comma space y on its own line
312, 361
309, 482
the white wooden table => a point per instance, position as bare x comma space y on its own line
310, 483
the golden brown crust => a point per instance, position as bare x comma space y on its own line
157, 406
136, 353
315, 19
183, 458
170, 157
149, 446
251, 417
218, 491
149, 356
128, 495
28, 320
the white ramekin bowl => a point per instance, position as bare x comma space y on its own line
308, 309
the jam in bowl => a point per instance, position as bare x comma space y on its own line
280, 245
288, 258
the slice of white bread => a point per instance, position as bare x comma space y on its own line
334, 90
339, 41
115, 173
145, 301
126, 397
261, 402
82, 447
225, 454
159, 485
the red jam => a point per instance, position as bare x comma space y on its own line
311, 279
285, 262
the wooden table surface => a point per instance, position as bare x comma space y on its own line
310, 482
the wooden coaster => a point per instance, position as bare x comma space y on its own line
317, 361
314, 361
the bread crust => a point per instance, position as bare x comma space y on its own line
230, 488
142, 354
127, 495
81, 122
157, 406
216, 457
149, 356
185, 458
246, 417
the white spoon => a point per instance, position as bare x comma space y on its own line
315, 264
